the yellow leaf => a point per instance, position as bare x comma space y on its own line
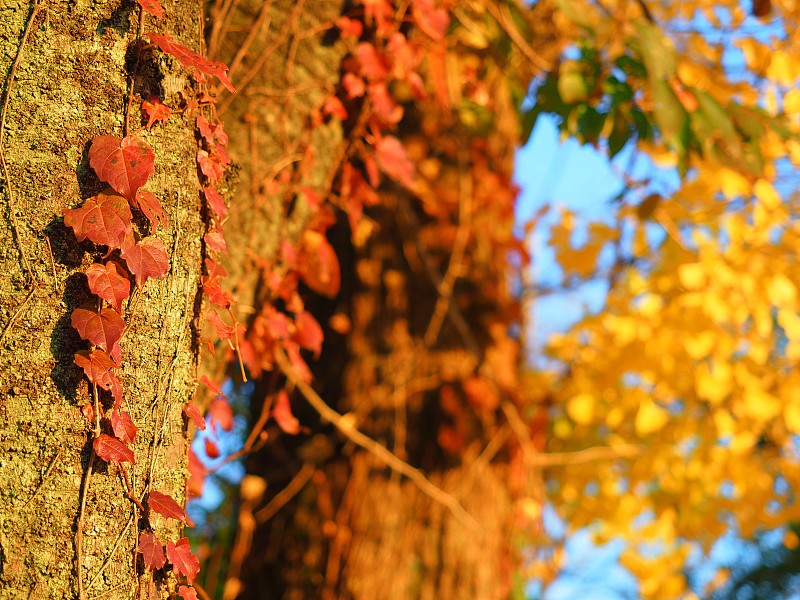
650, 418
767, 194
781, 292
580, 408
700, 345
760, 405
732, 183
783, 68
692, 276
791, 415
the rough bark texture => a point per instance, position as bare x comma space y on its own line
71, 85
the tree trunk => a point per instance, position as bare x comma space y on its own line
66, 67
335, 522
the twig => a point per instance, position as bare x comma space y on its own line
457, 256
455, 315
263, 16
87, 478
52, 262
135, 71
44, 477
111, 554
16, 314
236, 345
37, 6
373, 447
285, 495
503, 18
560, 459
255, 68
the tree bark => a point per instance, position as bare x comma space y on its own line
65, 68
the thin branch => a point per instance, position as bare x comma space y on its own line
456, 317
285, 495
111, 554
504, 19
87, 478
37, 6
561, 459
16, 314
347, 429
135, 72
454, 266
44, 477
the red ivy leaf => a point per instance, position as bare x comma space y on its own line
104, 219
187, 593
124, 164
216, 241
209, 165
153, 7
156, 111
309, 333
182, 559
164, 505
110, 282
204, 128
393, 160
151, 550
97, 366
123, 426
213, 386
191, 59
216, 294
222, 414
350, 27
335, 107
283, 416
215, 201
212, 450
433, 21
110, 449
374, 65
318, 264
190, 410
147, 258
353, 85
103, 329
88, 412
149, 205
116, 384
197, 475
224, 331
385, 107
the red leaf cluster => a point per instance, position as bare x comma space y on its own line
147, 258
103, 329
282, 413
110, 282
191, 59
151, 550
110, 449
153, 7
104, 219
166, 506
124, 164
123, 426
155, 111
182, 559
